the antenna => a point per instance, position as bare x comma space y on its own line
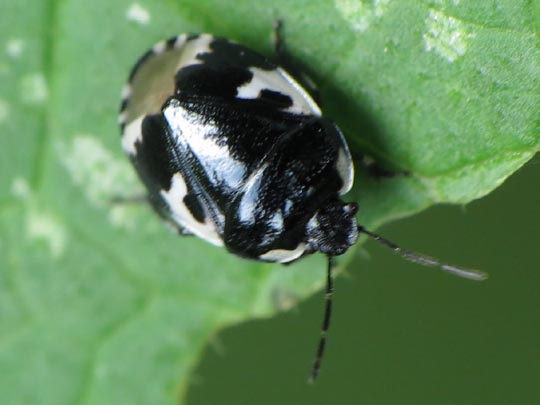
326, 321
414, 257
424, 260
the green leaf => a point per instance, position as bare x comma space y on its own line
100, 303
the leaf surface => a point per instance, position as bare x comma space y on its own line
100, 303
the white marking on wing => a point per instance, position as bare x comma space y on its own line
345, 170
279, 80
132, 134
249, 200
126, 91
159, 47
193, 48
182, 216
215, 158
283, 256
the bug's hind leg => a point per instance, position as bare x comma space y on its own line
277, 39
374, 168
132, 199
286, 61
377, 171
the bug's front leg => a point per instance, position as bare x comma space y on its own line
162, 212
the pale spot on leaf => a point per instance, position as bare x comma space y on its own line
138, 14
21, 189
122, 216
446, 36
33, 89
102, 177
15, 47
361, 13
43, 227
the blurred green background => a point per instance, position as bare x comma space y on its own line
403, 334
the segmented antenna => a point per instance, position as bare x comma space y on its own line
414, 257
424, 260
326, 321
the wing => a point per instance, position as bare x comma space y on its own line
172, 177
299, 176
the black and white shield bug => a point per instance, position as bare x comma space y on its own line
234, 150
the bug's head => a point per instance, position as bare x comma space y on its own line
333, 229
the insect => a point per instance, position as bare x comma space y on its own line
235, 150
